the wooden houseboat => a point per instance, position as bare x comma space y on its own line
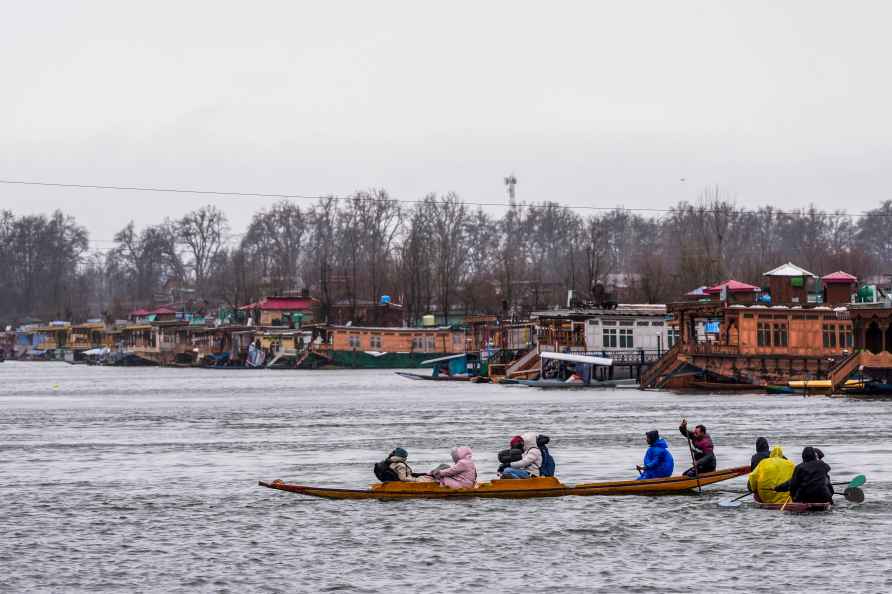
389, 348
741, 335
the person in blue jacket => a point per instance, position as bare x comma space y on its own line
658, 461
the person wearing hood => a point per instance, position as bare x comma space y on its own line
462, 474
762, 452
768, 474
810, 482
701, 443
397, 463
528, 466
658, 461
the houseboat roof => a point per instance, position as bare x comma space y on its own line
389, 329
576, 358
789, 269
732, 286
281, 304
839, 277
698, 292
623, 309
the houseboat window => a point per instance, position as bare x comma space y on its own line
609, 337
640, 323
763, 334
748, 316
780, 335
593, 322
672, 337
627, 323
656, 324
609, 322
457, 339
375, 342
829, 336
625, 338
846, 337
353, 340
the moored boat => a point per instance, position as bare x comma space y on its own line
516, 488
795, 508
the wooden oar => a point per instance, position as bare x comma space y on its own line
736, 502
854, 494
784, 506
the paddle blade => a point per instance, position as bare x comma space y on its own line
854, 494
730, 503
858, 481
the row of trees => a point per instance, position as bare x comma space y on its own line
436, 254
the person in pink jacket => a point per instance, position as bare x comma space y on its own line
462, 474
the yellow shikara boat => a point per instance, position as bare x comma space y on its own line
516, 488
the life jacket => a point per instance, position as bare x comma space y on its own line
385, 473
548, 465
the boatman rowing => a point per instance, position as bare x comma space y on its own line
701, 443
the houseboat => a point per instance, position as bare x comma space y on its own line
389, 348
797, 328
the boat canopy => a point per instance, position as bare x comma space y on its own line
576, 358
442, 359
96, 352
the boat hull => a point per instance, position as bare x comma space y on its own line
796, 508
514, 488
442, 378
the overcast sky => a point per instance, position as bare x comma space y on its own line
588, 103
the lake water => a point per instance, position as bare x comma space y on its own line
145, 479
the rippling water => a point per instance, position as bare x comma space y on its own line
146, 480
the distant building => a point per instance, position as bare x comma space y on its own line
291, 312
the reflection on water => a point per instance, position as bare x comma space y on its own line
145, 479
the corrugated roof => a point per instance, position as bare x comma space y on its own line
789, 269
839, 277
281, 304
733, 286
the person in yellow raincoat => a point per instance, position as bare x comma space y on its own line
770, 473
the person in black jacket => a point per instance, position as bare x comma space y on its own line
762, 452
811, 480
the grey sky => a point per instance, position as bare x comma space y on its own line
595, 103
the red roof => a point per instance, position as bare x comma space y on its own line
162, 311
139, 312
839, 277
281, 304
733, 287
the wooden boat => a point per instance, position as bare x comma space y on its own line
725, 386
452, 368
515, 488
435, 378
559, 385
796, 508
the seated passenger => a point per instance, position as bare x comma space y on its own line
658, 461
762, 452
462, 474
811, 480
528, 466
395, 468
768, 474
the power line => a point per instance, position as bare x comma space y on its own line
282, 196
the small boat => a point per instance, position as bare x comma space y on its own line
452, 368
725, 386
516, 488
795, 508
776, 389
